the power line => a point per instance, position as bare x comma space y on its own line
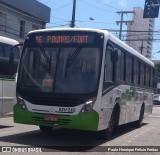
67, 24
33, 17
106, 4
95, 6
98, 22
12, 21
63, 6
116, 30
113, 30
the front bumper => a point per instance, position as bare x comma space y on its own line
85, 121
156, 102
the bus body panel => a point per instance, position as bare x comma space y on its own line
1, 100
7, 81
88, 121
9, 87
130, 101
131, 98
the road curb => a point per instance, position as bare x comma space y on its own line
6, 115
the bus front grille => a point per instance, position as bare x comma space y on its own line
60, 122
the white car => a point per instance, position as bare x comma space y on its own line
156, 99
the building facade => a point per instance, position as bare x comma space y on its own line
18, 17
140, 33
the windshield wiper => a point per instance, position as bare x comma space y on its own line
44, 53
47, 59
50, 64
72, 58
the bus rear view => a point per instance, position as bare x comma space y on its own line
58, 79
7, 74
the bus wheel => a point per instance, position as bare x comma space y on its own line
141, 115
46, 129
107, 134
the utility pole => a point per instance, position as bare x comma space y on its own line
73, 14
123, 21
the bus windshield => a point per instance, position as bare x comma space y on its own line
67, 69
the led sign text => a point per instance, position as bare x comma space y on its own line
57, 39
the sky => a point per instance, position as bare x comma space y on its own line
100, 14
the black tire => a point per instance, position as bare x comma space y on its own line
107, 134
46, 129
140, 121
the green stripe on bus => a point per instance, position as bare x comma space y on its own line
85, 121
7, 79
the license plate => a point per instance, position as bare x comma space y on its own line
51, 118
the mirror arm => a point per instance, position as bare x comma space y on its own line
21, 44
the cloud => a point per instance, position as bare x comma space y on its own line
123, 3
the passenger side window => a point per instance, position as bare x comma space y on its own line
5, 51
108, 68
136, 71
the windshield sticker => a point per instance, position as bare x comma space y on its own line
47, 82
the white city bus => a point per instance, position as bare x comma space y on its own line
7, 72
84, 79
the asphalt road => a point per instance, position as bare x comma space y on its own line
24, 137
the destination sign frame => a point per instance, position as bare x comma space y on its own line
64, 39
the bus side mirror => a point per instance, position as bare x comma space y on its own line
114, 56
11, 57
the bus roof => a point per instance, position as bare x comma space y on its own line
69, 29
8, 40
107, 33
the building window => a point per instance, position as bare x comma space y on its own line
35, 27
3, 22
43, 25
22, 29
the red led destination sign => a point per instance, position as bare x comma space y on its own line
64, 39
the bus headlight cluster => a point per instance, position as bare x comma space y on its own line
88, 106
20, 102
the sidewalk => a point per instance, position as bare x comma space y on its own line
7, 115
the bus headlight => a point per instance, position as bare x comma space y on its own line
20, 102
88, 106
